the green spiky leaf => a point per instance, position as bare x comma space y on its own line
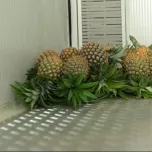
79, 80
76, 94
134, 41
150, 47
28, 100
74, 102
110, 80
70, 95
36, 92
149, 89
33, 103
67, 83
87, 85
82, 96
89, 94
123, 95
31, 73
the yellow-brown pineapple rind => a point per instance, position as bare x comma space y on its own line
45, 54
68, 53
76, 65
94, 53
136, 64
51, 67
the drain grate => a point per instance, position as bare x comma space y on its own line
109, 125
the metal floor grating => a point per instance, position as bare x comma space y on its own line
108, 125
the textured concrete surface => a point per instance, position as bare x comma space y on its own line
115, 125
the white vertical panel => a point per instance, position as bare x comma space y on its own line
27, 27
139, 20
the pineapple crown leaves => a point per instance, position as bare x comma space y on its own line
128, 46
110, 81
117, 54
38, 92
134, 41
75, 90
31, 73
150, 47
140, 86
22, 90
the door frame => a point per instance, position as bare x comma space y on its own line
123, 21
76, 23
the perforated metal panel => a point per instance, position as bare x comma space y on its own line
101, 21
115, 125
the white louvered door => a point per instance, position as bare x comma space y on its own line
101, 21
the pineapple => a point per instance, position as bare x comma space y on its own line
136, 64
94, 53
68, 53
150, 66
45, 54
139, 58
50, 66
76, 65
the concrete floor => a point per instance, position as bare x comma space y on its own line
10, 109
115, 125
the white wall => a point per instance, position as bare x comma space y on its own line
27, 27
139, 20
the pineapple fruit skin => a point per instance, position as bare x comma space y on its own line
76, 65
51, 67
129, 50
68, 53
94, 53
136, 64
138, 61
145, 51
45, 54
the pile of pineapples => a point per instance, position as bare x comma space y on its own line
78, 76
